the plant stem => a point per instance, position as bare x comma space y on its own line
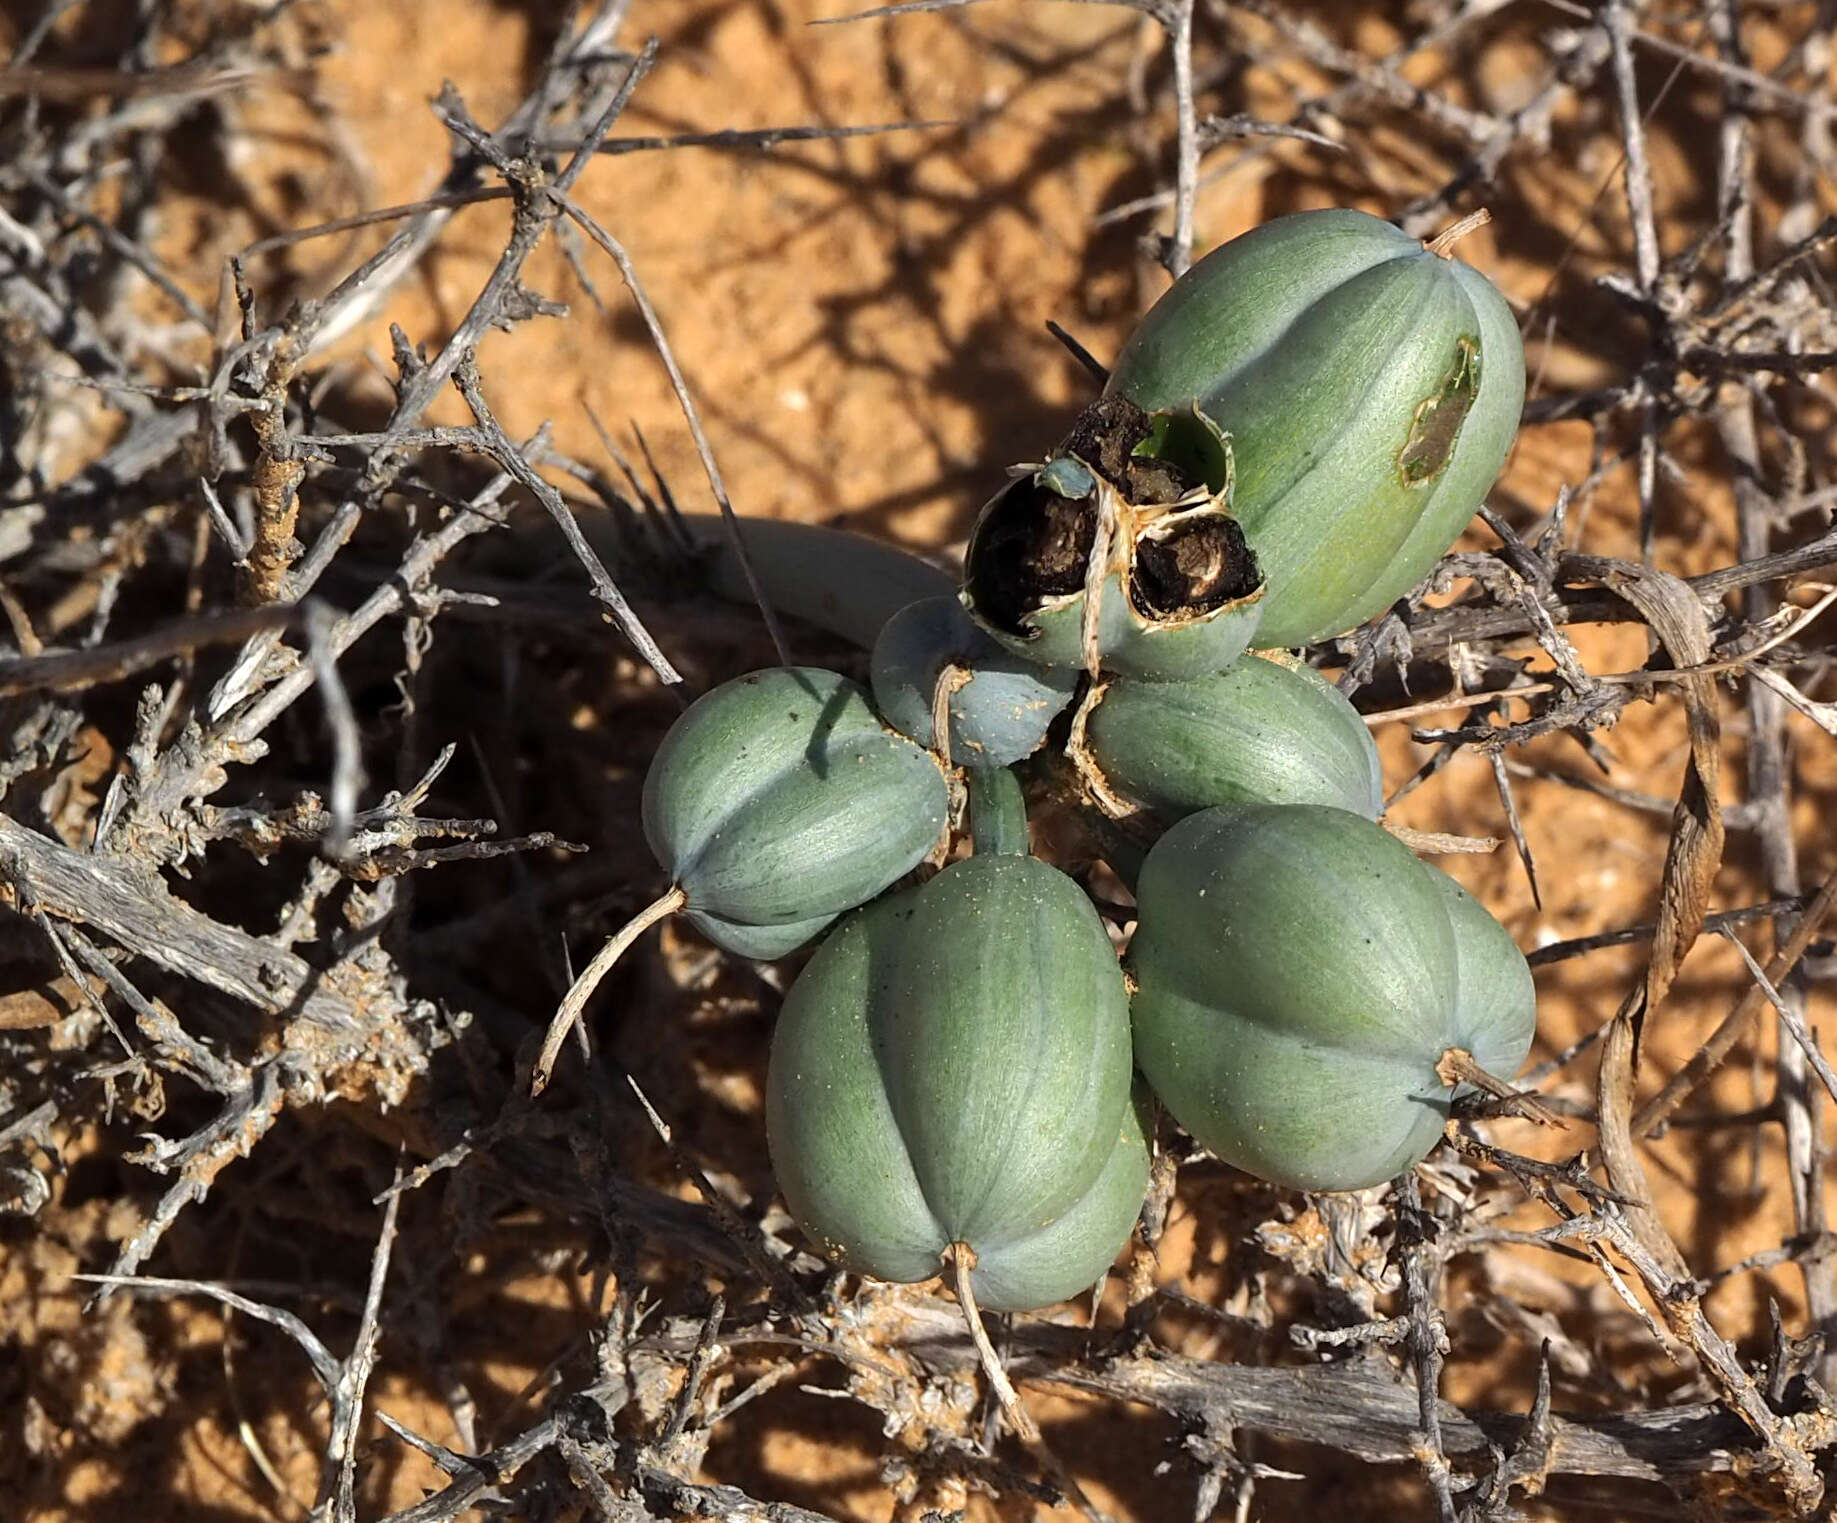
998, 813
568, 1012
1442, 244
1457, 1066
960, 1259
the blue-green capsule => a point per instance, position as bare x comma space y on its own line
1001, 711
779, 800
1300, 980
1370, 389
1179, 592
1263, 732
953, 1066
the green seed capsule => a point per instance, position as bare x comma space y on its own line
1260, 733
1180, 592
997, 717
1299, 978
1493, 986
779, 800
1071, 1254
1370, 389
953, 1066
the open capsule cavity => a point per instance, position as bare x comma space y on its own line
1118, 562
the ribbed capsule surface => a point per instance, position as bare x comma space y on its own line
1493, 988
1370, 389
954, 1066
1069, 1256
1000, 713
1299, 975
779, 800
1259, 733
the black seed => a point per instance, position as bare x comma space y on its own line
1194, 568
1032, 545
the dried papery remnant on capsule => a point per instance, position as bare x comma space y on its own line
1001, 705
953, 1066
1262, 732
1369, 387
1300, 980
1107, 557
1436, 428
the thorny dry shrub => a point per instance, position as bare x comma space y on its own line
337, 652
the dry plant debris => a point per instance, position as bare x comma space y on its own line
332, 660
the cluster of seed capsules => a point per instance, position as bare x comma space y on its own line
1295, 434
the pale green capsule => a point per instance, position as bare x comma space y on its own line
998, 716
779, 800
1299, 977
1370, 389
1181, 593
1259, 733
1493, 987
1071, 1254
953, 1066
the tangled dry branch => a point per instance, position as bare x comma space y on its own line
220, 938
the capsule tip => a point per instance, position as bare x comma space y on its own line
1442, 244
